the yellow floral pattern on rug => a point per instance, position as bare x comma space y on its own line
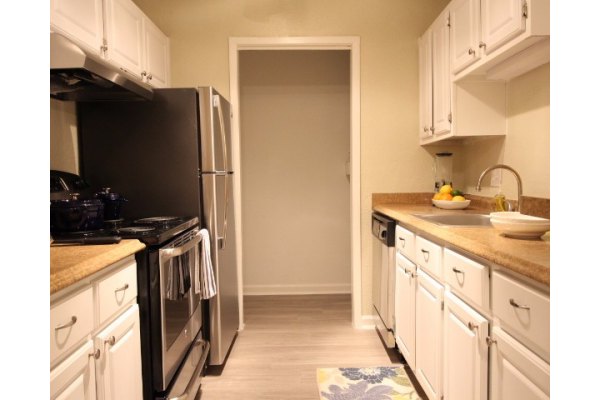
370, 383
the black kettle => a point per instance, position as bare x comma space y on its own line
112, 203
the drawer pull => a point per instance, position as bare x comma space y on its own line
425, 255
458, 271
68, 324
403, 241
517, 305
124, 287
111, 340
95, 354
472, 325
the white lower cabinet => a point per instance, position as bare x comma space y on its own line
74, 378
118, 369
404, 330
465, 351
516, 372
96, 354
428, 353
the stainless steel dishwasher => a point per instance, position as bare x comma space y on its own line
384, 279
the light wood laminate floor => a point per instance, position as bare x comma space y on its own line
285, 340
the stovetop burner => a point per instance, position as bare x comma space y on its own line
153, 220
136, 229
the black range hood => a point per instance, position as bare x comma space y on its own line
78, 75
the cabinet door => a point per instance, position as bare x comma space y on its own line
124, 35
405, 308
157, 62
501, 21
441, 75
425, 87
429, 335
81, 20
465, 351
516, 373
74, 379
464, 34
118, 370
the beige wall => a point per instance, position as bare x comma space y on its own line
526, 146
392, 159
295, 141
64, 154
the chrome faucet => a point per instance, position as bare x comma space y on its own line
515, 173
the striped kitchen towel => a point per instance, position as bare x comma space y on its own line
205, 283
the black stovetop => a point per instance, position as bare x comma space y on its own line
150, 231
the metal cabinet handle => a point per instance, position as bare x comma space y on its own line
482, 45
103, 48
403, 241
144, 73
149, 77
458, 271
124, 287
425, 255
472, 326
489, 341
95, 354
425, 129
68, 324
517, 305
471, 51
111, 340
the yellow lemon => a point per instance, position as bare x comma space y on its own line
437, 196
458, 198
446, 189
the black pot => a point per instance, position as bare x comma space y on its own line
112, 203
73, 215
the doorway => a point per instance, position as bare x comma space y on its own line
263, 85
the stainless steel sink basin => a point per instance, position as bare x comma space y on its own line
457, 219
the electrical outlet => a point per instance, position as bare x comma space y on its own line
496, 178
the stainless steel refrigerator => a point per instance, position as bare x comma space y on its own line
172, 156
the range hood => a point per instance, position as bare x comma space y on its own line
78, 75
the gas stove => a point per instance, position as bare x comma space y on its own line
150, 231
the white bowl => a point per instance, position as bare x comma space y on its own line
451, 205
520, 226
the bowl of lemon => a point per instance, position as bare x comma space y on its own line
450, 199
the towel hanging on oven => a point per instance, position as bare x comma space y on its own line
179, 277
205, 278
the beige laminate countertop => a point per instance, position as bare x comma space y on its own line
70, 264
530, 258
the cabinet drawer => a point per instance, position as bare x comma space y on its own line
467, 278
405, 242
70, 321
429, 256
524, 311
117, 290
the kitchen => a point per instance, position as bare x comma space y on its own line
388, 110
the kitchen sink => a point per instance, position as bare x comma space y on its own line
457, 219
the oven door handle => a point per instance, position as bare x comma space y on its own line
196, 376
167, 254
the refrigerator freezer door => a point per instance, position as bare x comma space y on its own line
215, 130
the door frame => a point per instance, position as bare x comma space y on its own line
351, 43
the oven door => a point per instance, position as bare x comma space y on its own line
181, 314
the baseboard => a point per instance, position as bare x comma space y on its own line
264, 290
365, 322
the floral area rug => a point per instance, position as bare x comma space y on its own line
373, 383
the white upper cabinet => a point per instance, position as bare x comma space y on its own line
441, 75
119, 32
124, 35
156, 63
464, 34
425, 87
501, 20
80, 20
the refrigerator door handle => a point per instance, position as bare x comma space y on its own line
222, 240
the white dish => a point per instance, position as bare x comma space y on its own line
520, 226
451, 205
